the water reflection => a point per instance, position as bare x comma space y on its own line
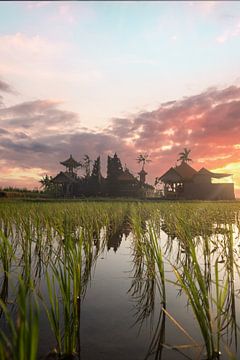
114, 234
215, 279
196, 266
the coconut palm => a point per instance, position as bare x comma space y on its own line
143, 159
184, 156
46, 181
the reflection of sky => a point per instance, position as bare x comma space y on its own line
108, 312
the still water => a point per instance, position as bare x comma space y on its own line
122, 313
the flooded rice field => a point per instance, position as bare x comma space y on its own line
119, 280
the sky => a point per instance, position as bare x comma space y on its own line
132, 77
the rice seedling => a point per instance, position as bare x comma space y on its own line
53, 248
20, 340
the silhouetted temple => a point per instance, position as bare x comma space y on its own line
68, 181
118, 182
184, 182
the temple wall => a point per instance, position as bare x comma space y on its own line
208, 191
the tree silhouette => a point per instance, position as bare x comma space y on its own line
184, 156
114, 167
143, 159
95, 181
46, 182
48, 186
96, 170
87, 165
114, 170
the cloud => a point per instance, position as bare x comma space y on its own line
37, 116
208, 123
5, 87
39, 134
31, 52
229, 33
35, 45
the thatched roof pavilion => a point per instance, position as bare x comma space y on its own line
184, 182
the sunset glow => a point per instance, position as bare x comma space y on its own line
98, 77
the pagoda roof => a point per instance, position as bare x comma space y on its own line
63, 177
70, 163
211, 174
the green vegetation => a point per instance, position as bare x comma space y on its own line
48, 252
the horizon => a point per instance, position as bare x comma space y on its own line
97, 78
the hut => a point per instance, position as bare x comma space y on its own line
184, 182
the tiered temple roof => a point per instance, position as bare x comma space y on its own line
71, 163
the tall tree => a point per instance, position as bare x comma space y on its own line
143, 159
114, 170
114, 167
87, 165
96, 170
184, 156
96, 177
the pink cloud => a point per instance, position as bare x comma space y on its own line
229, 33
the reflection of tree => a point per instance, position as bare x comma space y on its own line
115, 233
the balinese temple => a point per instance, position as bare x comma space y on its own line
67, 181
69, 184
184, 182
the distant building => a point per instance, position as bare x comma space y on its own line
119, 182
184, 182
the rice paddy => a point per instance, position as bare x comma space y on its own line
119, 280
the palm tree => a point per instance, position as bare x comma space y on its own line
46, 182
143, 158
184, 156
